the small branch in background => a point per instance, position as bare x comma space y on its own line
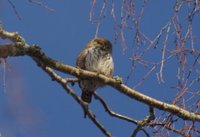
93, 2
123, 25
131, 71
167, 126
15, 9
193, 65
144, 122
145, 76
160, 73
142, 10
39, 3
116, 33
111, 113
101, 16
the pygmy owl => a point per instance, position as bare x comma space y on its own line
96, 57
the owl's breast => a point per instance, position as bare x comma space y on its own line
99, 62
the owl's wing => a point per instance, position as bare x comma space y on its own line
80, 61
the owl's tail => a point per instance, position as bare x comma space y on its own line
87, 96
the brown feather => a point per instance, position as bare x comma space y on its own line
97, 57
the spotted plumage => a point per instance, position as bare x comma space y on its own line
96, 57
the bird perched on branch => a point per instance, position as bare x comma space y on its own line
96, 57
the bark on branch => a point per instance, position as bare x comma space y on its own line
20, 48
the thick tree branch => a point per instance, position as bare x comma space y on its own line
35, 53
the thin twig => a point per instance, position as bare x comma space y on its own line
39, 3
112, 113
144, 122
15, 10
160, 73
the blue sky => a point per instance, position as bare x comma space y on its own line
33, 105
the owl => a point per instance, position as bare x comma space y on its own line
96, 57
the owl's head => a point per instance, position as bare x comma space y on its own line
101, 43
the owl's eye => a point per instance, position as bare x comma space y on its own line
106, 48
103, 47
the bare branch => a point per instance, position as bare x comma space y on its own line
144, 122
160, 74
15, 10
39, 3
114, 114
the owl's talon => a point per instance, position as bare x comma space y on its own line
118, 79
